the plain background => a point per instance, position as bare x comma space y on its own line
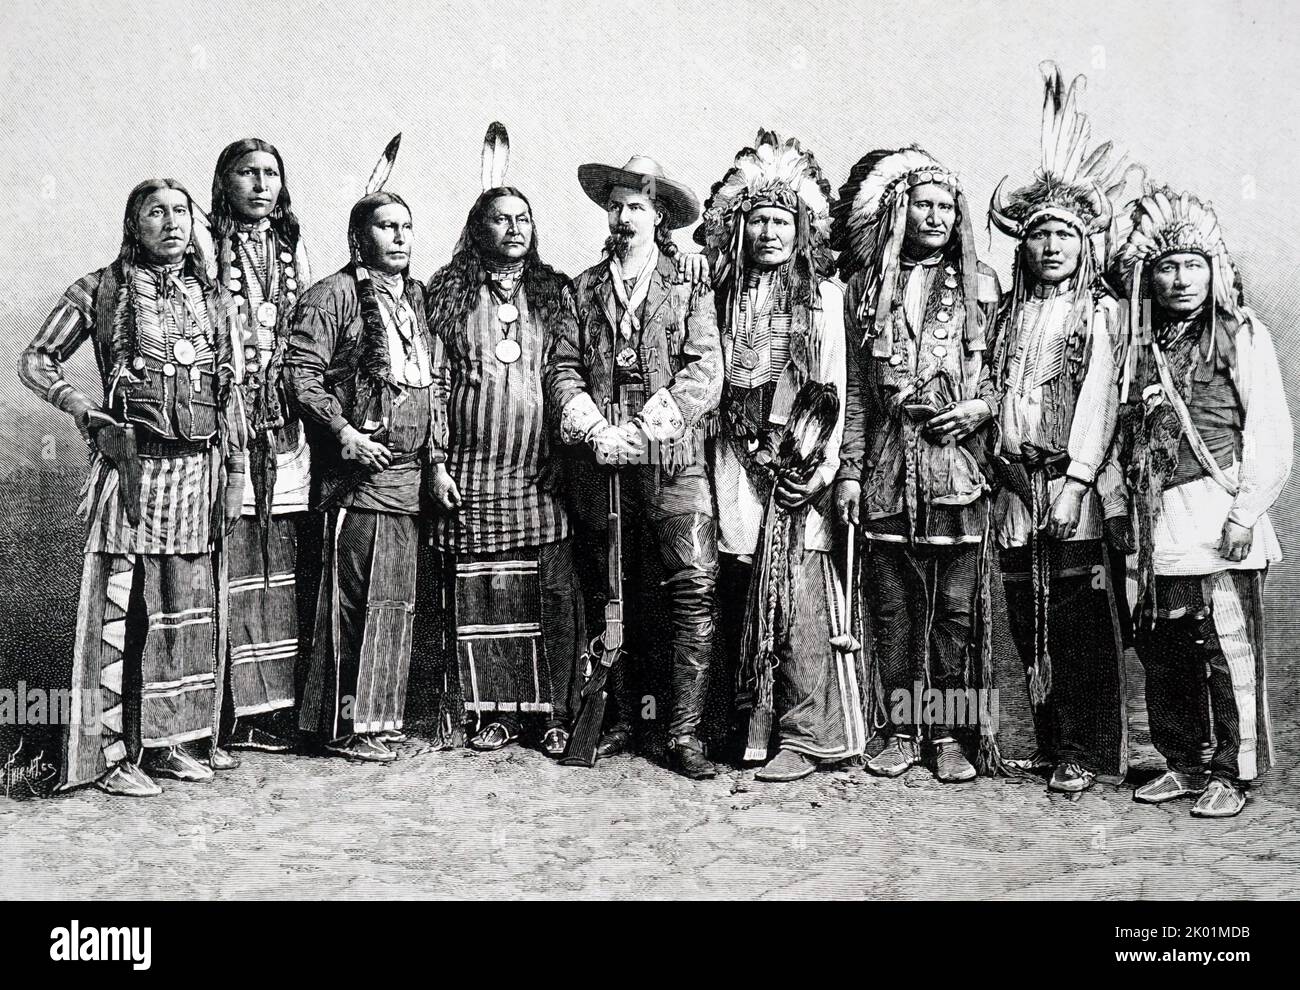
99, 96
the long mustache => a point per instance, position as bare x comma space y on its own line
619, 240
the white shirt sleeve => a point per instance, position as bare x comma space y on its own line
1097, 407
1267, 435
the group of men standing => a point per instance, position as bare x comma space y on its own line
832, 376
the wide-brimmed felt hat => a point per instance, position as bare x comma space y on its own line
681, 206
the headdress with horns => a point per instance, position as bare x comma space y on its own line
1072, 184
774, 172
868, 227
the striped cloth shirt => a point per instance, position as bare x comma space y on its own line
175, 492
496, 434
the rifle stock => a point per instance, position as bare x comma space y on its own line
581, 750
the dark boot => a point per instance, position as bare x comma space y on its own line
686, 756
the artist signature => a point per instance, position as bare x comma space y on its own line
20, 773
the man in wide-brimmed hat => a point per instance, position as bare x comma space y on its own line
639, 384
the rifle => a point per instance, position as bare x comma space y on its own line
581, 750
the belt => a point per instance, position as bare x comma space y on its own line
171, 448
1053, 468
404, 457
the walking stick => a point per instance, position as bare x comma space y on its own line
844, 641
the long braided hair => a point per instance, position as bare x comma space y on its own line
132, 253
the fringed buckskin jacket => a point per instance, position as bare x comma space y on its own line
679, 351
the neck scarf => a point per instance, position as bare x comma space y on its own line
629, 324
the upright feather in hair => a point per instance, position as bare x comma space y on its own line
384, 166
496, 156
201, 237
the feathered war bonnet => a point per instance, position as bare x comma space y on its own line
1166, 222
777, 173
868, 227
1072, 185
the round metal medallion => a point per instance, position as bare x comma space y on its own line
183, 352
745, 356
266, 314
508, 351
507, 313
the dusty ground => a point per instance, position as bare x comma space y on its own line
461, 824
513, 824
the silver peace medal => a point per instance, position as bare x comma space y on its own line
626, 357
507, 313
508, 351
266, 313
745, 357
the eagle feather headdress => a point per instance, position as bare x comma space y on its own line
1166, 222
875, 187
1073, 184
869, 223
774, 172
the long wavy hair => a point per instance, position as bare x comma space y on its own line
283, 220
454, 288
